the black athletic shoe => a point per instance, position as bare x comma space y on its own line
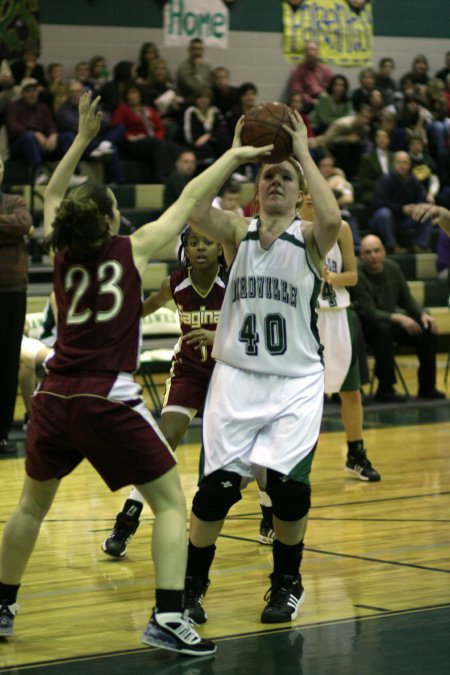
194, 593
174, 631
359, 465
7, 614
124, 528
266, 533
283, 598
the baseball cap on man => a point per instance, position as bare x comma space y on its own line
28, 82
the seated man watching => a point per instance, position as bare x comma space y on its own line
389, 314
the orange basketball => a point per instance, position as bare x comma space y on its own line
263, 125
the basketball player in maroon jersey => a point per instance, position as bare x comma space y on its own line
197, 289
88, 406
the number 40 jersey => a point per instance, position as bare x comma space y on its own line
268, 322
99, 311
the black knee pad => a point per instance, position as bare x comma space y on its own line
291, 499
216, 494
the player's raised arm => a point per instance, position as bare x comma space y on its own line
327, 214
89, 124
153, 236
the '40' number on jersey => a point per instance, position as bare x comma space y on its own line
274, 334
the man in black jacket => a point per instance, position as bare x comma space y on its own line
389, 314
395, 199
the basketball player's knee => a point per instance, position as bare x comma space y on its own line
216, 495
291, 499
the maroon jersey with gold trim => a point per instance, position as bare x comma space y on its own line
196, 310
99, 311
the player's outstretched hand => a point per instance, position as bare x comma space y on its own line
248, 153
423, 212
237, 141
298, 133
89, 116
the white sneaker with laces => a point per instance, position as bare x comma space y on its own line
174, 631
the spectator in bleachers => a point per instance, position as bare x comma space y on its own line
395, 197
438, 127
57, 89
225, 95
423, 167
33, 133
377, 104
247, 99
387, 120
311, 77
412, 118
419, 73
374, 164
185, 168
384, 79
342, 190
112, 93
390, 315
443, 256
367, 78
160, 93
204, 129
194, 73
148, 54
98, 73
347, 138
145, 134
27, 66
295, 102
81, 73
229, 198
15, 224
105, 145
6, 86
332, 104
444, 72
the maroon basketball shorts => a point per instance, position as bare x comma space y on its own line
81, 418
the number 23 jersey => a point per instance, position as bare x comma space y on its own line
268, 322
99, 311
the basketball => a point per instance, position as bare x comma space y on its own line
263, 125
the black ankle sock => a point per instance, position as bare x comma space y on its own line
354, 446
287, 559
8, 593
169, 601
132, 509
199, 561
267, 514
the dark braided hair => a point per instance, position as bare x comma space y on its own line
184, 260
81, 225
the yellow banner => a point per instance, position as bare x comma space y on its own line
344, 36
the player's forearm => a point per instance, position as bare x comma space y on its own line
59, 181
205, 187
326, 208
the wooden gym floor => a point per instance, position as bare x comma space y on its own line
376, 567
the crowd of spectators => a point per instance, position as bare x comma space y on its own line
152, 114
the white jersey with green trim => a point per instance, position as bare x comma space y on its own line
333, 297
268, 322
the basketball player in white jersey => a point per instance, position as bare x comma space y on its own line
338, 335
264, 405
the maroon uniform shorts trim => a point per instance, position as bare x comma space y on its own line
186, 388
122, 442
